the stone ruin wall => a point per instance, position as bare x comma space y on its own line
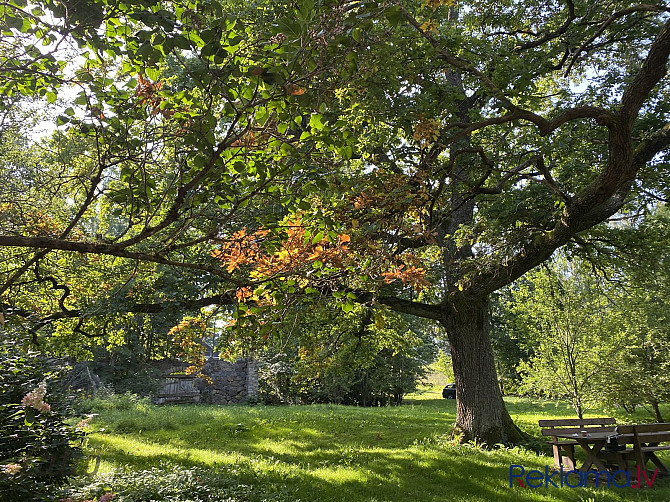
231, 383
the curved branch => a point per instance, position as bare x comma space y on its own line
554, 34
607, 193
401, 305
54, 285
602, 116
173, 213
606, 23
650, 147
136, 308
48, 243
652, 71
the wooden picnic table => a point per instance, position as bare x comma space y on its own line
592, 443
564, 449
645, 439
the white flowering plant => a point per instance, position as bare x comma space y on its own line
38, 448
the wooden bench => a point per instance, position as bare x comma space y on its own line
564, 450
645, 441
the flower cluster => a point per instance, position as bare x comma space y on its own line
35, 398
11, 469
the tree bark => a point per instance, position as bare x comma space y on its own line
657, 410
480, 410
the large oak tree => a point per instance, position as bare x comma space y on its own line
416, 157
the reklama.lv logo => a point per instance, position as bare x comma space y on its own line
560, 479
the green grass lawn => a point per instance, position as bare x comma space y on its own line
337, 453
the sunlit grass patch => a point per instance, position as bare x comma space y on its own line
336, 453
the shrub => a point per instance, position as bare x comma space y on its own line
105, 399
382, 378
123, 369
368, 358
36, 444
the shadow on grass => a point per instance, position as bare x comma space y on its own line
335, 453
374, 475
386, 475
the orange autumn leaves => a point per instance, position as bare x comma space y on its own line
298, 250
36, 222
414, 276
240, 249
148, 95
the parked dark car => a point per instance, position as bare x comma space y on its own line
449, 391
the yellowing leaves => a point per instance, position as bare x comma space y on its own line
240, 249
248, 140
35, 221
426, 132
243, 294
429, 27
297, 250
380, 322
188, 335
362, 201
316, 254
294, 90
393, 194
435, 4
148, 95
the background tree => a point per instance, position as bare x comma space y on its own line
594, 326
572, 332
509, 345
320, 355
639, 374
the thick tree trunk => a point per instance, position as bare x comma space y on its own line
481, 414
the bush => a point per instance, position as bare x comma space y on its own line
121, 369
367, 357
380, 379
36, 444
105, 399
275, 380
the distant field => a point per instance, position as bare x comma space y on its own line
334, 453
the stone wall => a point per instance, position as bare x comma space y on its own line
229, 383
252, 378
